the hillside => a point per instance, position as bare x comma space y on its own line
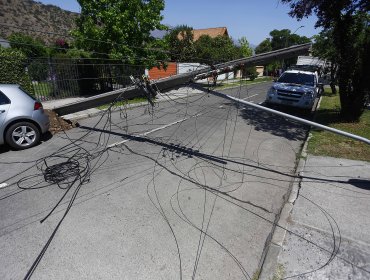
32, 16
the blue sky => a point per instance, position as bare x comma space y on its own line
253, 19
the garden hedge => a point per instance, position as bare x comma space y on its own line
13, 68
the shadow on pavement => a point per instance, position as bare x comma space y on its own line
44, 138
274, 124
179, 150
360, 183
4, 148
269, 122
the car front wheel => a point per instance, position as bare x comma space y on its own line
22, 135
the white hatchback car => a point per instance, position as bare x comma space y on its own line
22, 118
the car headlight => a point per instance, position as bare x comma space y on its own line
308, 95
272, 91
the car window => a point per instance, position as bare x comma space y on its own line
297, 78
3, 99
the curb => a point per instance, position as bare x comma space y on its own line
269, 261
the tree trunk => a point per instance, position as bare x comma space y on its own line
352, 42
351, 100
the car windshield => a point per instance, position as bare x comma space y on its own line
297, 78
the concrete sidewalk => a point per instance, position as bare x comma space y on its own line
328, 229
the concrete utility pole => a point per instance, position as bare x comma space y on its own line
181, 79
291, 117
177, 80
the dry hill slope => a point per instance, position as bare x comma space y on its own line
32, 15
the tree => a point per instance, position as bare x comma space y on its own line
31, 47
280, 39
212, 51
264, 46
327, 11
119, 29
349, 21
204, 50
245, 49
180, 43
283, 38
215, 50
35, 51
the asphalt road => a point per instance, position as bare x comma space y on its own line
189, 189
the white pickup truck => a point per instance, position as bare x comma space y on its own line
295, 88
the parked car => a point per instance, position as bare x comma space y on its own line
22, 118
295, 88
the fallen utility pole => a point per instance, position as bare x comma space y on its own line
291, 117
181, 79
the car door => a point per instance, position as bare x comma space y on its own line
4, 108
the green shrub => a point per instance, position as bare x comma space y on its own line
32, 47
13, 68
250, 72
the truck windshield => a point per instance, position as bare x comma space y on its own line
297, 78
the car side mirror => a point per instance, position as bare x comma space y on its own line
275, 80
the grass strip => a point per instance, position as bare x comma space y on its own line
324, 143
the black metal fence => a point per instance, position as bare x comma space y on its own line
55, 78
